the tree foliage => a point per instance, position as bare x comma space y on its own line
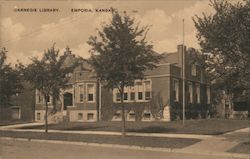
225, 35
49, 74
120, 53
10, 82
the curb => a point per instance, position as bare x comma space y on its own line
133, 147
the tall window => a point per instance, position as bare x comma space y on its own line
125, 95
116, 95
81, 91
190, 92
38, 97
176, 89
208, 95
90, 92
147, 90
139, 90
193, 70
48, 99
198, 93
132, 93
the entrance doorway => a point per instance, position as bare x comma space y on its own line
68, 100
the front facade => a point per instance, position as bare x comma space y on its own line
157, 97
78, 102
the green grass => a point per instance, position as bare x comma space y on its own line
202, 126
106, 139
241, 148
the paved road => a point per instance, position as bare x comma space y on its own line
10, 149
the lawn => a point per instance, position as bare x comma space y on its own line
106, 139
202, 126
4, 123
241, 148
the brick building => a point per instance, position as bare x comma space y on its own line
153, 98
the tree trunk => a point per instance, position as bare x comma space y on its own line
46, 116
123, 113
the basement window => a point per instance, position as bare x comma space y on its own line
80, 116
90, 116
38, 116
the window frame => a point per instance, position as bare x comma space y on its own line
79, 92
208, 93
87, 93
194, 69
176, 95
198, 93
145, 89
137, 90
191, 97
39, 97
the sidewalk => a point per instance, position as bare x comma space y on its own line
220, 144
210, 145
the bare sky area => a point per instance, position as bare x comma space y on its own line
27, 34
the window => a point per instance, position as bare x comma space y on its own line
208, 95
131, 115
176, 90
193, 70
125, 95
147, 90
118, 96
132, 96
117, 116
90, 92
38, 97
90, 116
147, 116
48, 99
38, 116
198, 93
16, 112
139, 90
80, 116
132, 93
81, 90
190, 92
140, 97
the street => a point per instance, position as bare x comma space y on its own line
10, 149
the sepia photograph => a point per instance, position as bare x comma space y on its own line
125, 79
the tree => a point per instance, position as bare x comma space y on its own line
225, 36
120, 54
49, 75
10, 82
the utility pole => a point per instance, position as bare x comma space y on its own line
183, 76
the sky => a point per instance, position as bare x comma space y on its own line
29, 34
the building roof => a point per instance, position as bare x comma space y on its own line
170, 58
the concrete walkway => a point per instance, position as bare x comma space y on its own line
221, 143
